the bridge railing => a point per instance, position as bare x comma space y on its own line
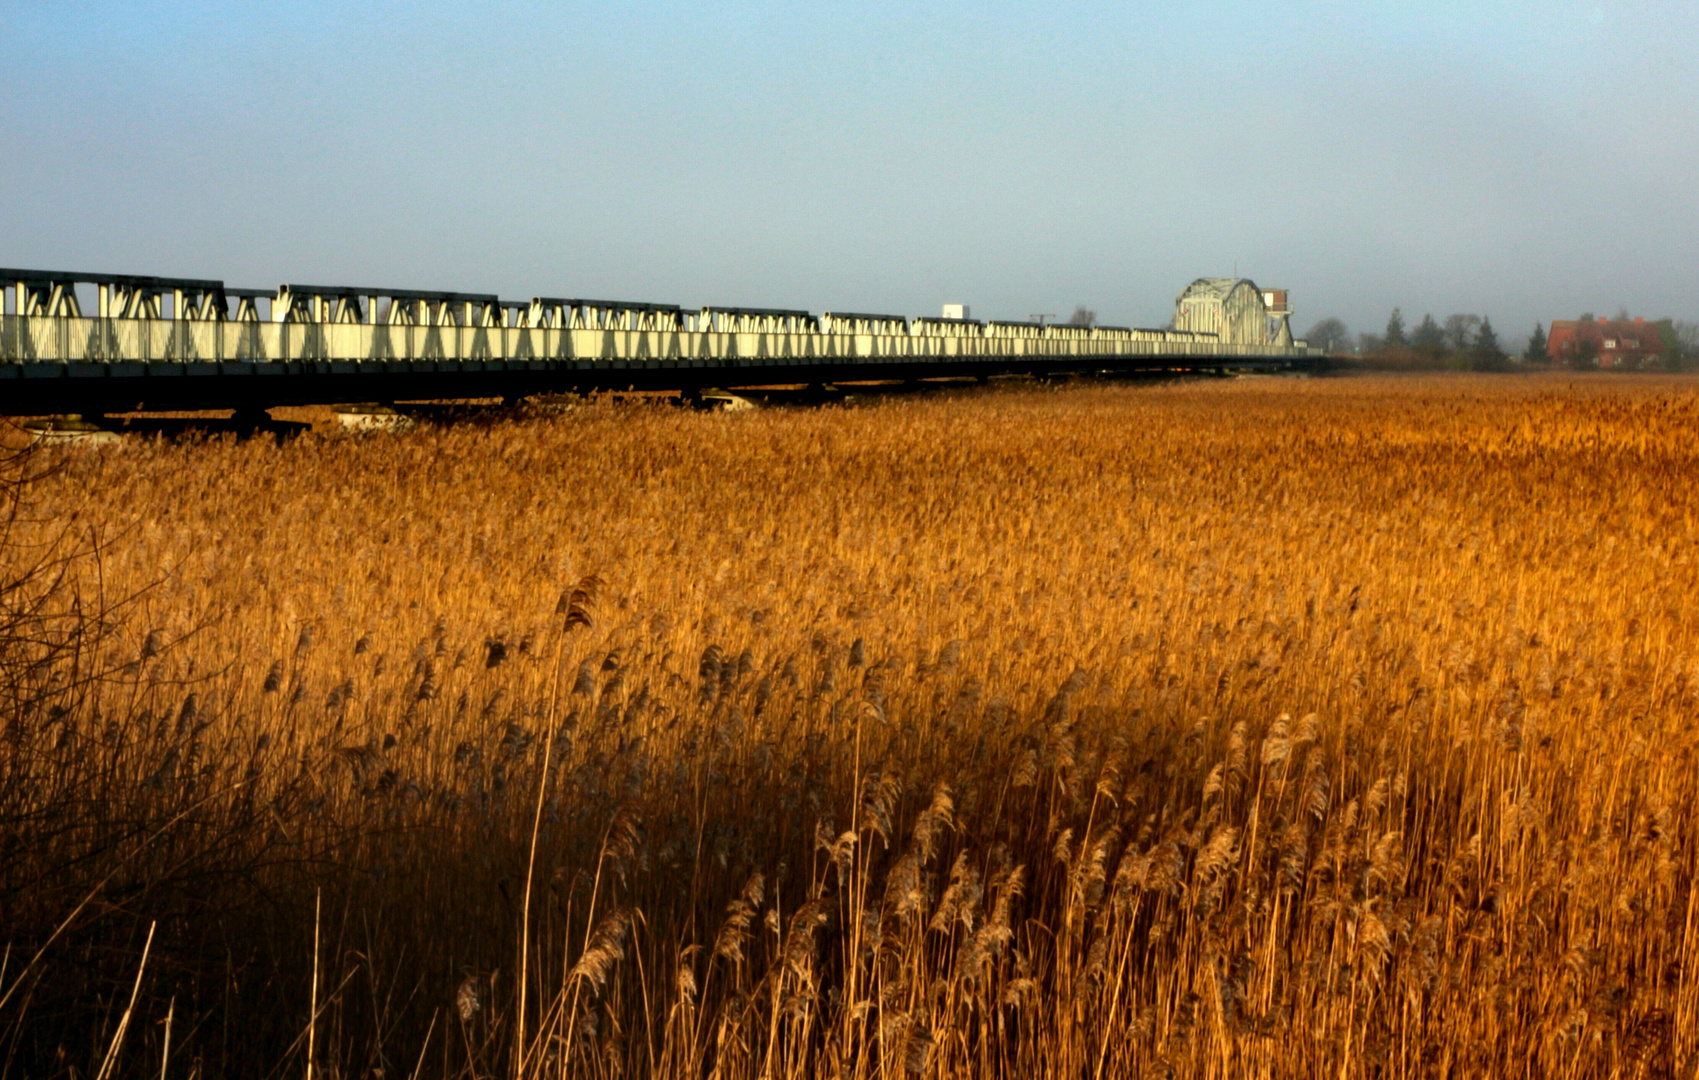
73, 340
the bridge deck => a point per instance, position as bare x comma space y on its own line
159, 343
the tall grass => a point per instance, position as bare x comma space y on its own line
1255, 728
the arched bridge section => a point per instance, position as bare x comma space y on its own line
164, 343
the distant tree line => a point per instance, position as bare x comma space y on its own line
1464, 342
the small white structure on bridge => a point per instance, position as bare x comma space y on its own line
1236, 311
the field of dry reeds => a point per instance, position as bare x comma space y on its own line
1253, 728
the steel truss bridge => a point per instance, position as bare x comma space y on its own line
168, 343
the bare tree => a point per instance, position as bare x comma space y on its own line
1686, 338
1329, 335
1460, 331
1082, 316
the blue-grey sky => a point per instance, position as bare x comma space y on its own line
1523, 160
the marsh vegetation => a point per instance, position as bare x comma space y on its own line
1263, 727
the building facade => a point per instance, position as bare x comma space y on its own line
1614, 343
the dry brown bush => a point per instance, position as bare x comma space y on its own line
1257, 728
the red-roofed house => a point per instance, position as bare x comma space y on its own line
1615, 342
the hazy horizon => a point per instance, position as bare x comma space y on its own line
1527, 162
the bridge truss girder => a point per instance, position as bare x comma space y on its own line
188, 343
